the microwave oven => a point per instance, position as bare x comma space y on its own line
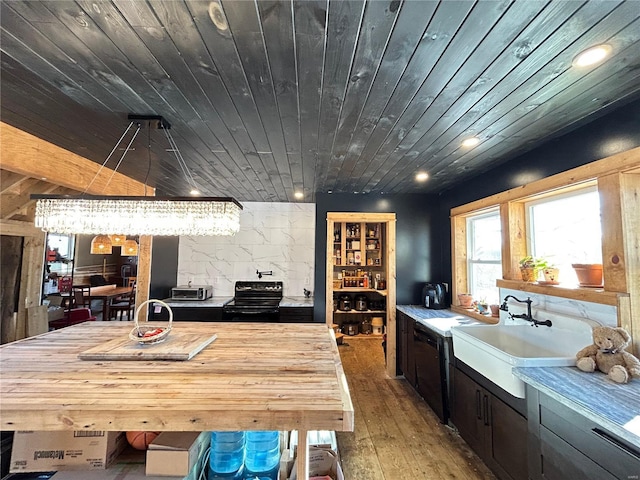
191, 292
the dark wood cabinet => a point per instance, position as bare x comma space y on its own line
188, 314
565, 444
493, 429
405, 343
296, 314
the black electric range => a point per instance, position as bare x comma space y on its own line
254, 302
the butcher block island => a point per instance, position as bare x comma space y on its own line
254, 376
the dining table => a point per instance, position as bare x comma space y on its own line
247, 376
107, 293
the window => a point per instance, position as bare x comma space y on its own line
565, 229
484, 243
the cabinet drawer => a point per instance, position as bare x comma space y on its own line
560, 461
604, 448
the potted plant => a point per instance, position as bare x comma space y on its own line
550, 272
482, 306
589, 274
529, 269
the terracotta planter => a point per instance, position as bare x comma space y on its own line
465, 299
529, 274
589, 274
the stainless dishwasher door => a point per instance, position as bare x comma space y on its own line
430, 374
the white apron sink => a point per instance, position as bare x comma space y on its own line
493, 350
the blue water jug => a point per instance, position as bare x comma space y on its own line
226, 456
262, 456
239, 475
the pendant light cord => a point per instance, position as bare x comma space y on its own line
109, 156
180, 158
172, 145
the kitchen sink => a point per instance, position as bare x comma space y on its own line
493, 350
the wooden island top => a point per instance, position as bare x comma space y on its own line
254, 376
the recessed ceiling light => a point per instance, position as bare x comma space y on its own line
592, 55
299, 195
470, 142
422, 176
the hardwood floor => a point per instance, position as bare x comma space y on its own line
397, 436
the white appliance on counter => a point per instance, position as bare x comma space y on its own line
192, 292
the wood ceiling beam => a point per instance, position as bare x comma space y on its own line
20, 202
28, 155
10, 180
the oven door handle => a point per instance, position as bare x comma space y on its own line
250, 312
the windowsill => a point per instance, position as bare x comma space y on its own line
585, 294
474, 314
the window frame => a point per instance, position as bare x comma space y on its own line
470, 245
618, 181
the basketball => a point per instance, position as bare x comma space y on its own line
141, 440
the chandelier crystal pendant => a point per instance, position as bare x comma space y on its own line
138, 215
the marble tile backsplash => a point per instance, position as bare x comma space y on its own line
561, 307
273, 236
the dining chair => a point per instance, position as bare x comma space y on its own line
125, 305
81, 295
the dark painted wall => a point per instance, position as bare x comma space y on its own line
610, 134
423, 234
418, 258
164, 266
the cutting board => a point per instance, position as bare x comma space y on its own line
177, 346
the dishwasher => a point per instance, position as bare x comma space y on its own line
428, 350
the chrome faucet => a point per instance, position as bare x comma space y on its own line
525, 316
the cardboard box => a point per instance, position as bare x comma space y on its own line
130, 465
175, 453
64, 450
323, 462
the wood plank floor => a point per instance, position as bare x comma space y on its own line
397, 436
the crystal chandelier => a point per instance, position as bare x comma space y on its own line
94, 215
138, 215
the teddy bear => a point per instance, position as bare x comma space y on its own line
607, 354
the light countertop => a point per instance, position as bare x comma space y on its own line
208, 303
615, 406
439, 321
296, 302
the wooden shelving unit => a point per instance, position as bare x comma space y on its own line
359, 246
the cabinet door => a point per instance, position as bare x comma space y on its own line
410, 372
467, 411
508, 439
401, 351
560, 461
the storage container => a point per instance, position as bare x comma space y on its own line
262, 455
227, 453
377, 325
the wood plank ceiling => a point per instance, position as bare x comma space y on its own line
267, 98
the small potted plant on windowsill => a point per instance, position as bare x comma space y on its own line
482, 306
550, 272
529, 269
